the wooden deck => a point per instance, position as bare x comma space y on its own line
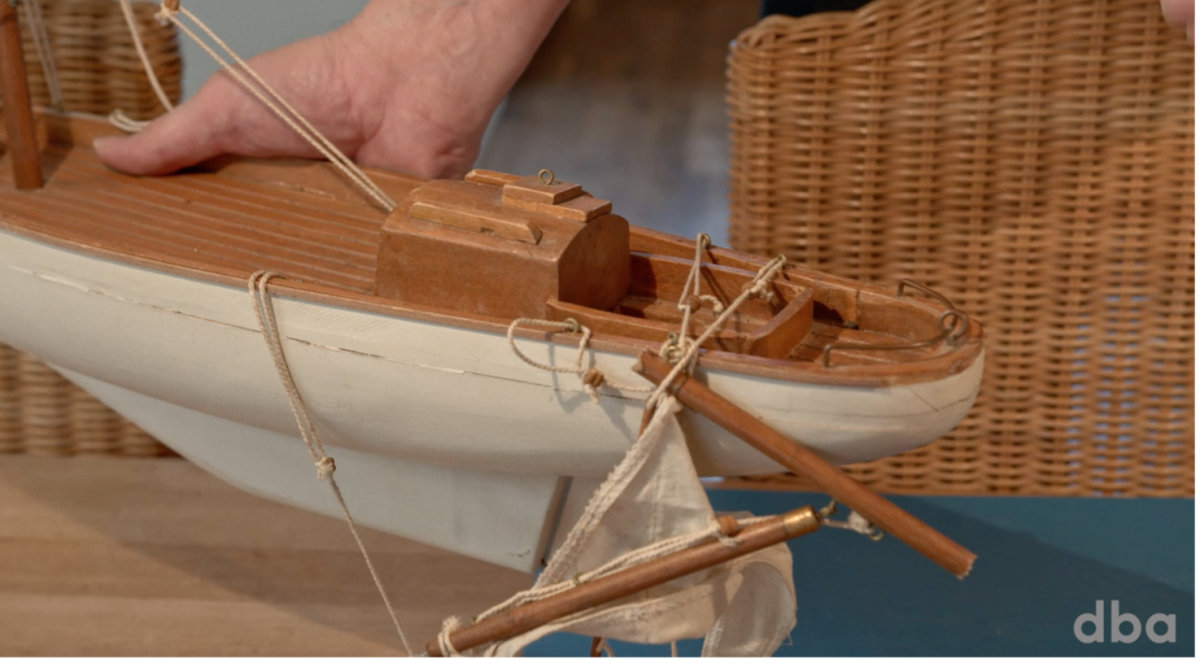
236, 220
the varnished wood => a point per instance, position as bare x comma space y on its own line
799, 460
441, 203
231, 217
535, 190
628, 326
785, 331
652, 318
462, 246
482, 176
18, 114
581, 208
655, 275
630, 581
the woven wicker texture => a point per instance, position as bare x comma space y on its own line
99, 70
1034, 162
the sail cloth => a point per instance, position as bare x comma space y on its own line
745, 607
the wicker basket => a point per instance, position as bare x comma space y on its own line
99, 70
1034, 160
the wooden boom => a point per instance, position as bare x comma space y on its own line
887, 516
630, 581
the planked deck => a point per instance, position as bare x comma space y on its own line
235, 220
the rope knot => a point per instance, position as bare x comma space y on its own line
717, 306
166, 11
325, 468
760, 288
451, 624
725, 529
593, 378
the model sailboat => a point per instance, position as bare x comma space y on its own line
397, 330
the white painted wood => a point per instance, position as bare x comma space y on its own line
498, 517
399, 393
419, 390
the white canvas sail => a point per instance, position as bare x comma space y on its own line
654, 501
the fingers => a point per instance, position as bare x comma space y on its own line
184, 137
1181, 12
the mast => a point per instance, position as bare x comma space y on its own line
18, 114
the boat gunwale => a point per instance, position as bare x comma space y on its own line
956, 359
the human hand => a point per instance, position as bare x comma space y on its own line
1181, 14
407, 85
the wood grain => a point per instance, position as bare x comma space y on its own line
230, 218
630, 581
27, 168
462, 246
799, 460
125, 557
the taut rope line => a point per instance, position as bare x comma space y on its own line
264, 311
41, 46
135, 31
170, 12
759, 287
637, 454
118, 118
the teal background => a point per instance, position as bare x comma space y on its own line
1042, 563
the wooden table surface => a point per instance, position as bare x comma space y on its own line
124, 557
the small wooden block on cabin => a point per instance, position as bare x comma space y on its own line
495, 245
562, 200
534, 189
442, 203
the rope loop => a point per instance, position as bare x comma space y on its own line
268, 325
726, 540
590, 377
855, 522
686, 351
683, 352
450, 625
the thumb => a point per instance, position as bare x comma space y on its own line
181, 138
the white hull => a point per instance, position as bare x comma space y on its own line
184, 358
507, 522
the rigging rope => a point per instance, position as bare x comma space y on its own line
118, 118
264, 311
681, 351
41, 46
136, 32
591, 377
633, 458
170, 12
759, 287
